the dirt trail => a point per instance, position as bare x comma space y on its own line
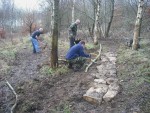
43, 94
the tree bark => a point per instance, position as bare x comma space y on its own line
137, 25
96, 33
52, 16
111, 18
54, 50
73, 12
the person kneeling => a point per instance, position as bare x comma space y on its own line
76, 55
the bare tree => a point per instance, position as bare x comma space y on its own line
54, 51
73, 11
29, 21
96, 33
111, 18
137, 25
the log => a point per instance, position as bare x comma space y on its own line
92, 61
16, 101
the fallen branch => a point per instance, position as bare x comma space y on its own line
13, 107
64, 60
92, 61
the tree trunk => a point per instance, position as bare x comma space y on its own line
111, 18
54, 51
96, 33
137, 25
11, 22
73, 12
52, 17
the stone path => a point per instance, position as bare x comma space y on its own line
105, 87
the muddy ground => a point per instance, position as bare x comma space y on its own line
62, 93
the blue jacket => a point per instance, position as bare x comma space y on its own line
76, 51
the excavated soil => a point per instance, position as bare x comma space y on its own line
61, 92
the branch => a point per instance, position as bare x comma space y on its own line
98, 56
9, 85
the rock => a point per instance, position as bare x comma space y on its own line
102, 70
97, 76
112, 92
95, 94
114, 87
110, 66
110, 54
100, 81
109, 95
111, 80
111, 73
92, 100
104, 60
103, 87
112, 58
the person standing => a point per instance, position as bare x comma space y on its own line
73, 32
35, 36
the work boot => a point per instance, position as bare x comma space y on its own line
70, 66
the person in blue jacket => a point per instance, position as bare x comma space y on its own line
35, 36
76, 54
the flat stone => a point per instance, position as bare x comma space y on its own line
110, 54
104, 60
111, 80
103, 87
95, 94
112, 92
109, 95
112, 72
112, 58
114, 86
102, 70
110, 66
100, 76
100, 81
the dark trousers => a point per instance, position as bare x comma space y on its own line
72, 41
77, 62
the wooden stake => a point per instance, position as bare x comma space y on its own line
92, 61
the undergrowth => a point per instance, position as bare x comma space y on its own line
134, 69
47, 70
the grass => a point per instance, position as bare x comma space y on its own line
135, 63
134, 69
62, 108
8, 52
91, 46
47, 70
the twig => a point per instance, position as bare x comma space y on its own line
99, 53
13, 107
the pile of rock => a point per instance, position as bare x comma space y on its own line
105, 86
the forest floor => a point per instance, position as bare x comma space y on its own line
43, 90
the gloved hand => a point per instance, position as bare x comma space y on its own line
71, 35
89, 55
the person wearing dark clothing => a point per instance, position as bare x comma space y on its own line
73, 32
35, 35
76, 55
